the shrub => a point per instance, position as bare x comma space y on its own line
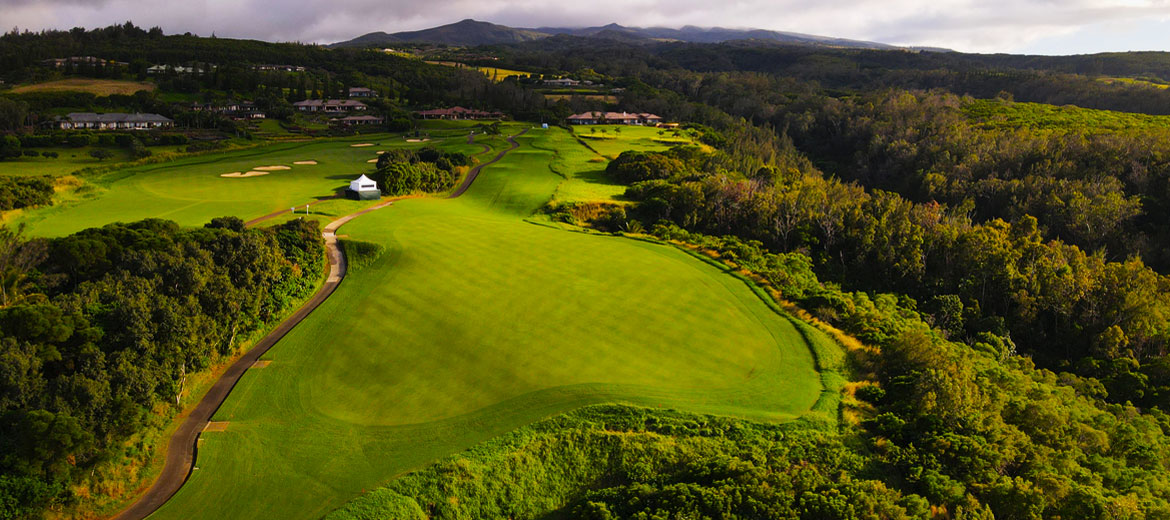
9, 147
79, 140
36, 141
23, 192
101, 154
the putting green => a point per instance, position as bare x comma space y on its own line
474, 322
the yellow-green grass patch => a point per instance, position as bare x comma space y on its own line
99, 87
611, 140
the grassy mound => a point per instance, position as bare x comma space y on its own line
360, 254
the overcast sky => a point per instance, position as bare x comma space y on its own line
1031, 26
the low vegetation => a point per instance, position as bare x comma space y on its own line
97, 87
25, 192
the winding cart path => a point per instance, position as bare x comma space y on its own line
181, 450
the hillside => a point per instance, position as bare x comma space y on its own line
471, 32
694, 34
467, 32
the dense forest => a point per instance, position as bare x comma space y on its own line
100, 332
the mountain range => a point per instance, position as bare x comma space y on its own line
472, 32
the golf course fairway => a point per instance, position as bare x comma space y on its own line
473, 322
192, 190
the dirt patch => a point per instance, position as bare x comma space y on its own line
417, 140
272, 168
359, 145
238, 175
261, 363
216, 426
305, 163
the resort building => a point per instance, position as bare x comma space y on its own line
112, 121
357, 120
362, 92
457, 113
329, 105
564, 82
615, 118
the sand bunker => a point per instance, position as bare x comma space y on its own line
272, 168
380, 152
372, 160
238, 175
305, 162
361, 145
417, 140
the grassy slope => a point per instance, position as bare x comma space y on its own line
619, 138
995, 114
191, 191
99, 87
70, 160
474, 323
584, 168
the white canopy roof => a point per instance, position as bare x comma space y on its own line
363, 183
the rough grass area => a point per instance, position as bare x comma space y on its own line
473, 323
71, 160
98, 87
360, 254
542, 470
997, 114
611, 140
605, 98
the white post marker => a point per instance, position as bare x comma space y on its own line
306, 209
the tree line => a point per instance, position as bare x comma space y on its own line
102, 331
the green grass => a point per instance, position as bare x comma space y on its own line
70, 160
619, 138
190, 191
996, 114
98, 87
469, 323
1135, 81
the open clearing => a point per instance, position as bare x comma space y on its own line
611, 140
99, 87
473, 322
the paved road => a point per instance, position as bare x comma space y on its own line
183, 445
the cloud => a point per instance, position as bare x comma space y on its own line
970, 25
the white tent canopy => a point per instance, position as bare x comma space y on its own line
363, 183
